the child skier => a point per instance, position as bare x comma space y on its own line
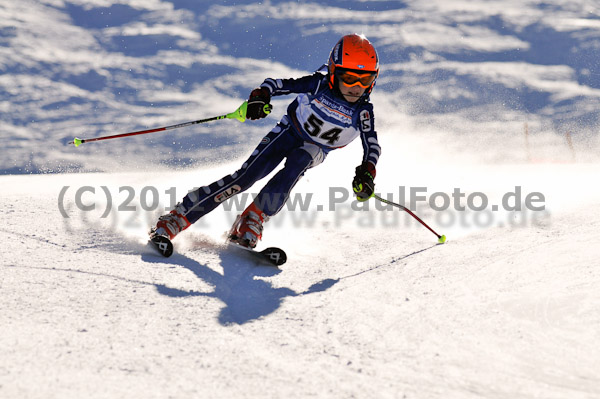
330, 111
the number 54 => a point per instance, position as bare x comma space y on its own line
313, 127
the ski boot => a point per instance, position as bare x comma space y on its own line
248, 227
171, 224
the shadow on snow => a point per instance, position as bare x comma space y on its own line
246, 296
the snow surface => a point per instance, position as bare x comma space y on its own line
368, 305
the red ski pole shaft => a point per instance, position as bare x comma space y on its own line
239, 114
78, 141
441, 238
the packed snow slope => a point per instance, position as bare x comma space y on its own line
487, 113
367, 306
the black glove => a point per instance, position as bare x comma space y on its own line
363, 184
258, 103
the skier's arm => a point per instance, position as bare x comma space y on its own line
363, 183
306, 84
261, 96
368, 136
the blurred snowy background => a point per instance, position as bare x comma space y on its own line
465, 77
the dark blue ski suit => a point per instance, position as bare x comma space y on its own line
316, 122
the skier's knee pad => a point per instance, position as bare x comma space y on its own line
317, 154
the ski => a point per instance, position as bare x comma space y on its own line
272, 255
162, 243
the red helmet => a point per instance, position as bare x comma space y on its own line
354, 61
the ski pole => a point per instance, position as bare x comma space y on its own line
239, 114
441, 238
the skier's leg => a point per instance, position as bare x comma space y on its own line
248, 227
267, 155
277, 191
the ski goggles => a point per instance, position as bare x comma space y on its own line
350, 78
